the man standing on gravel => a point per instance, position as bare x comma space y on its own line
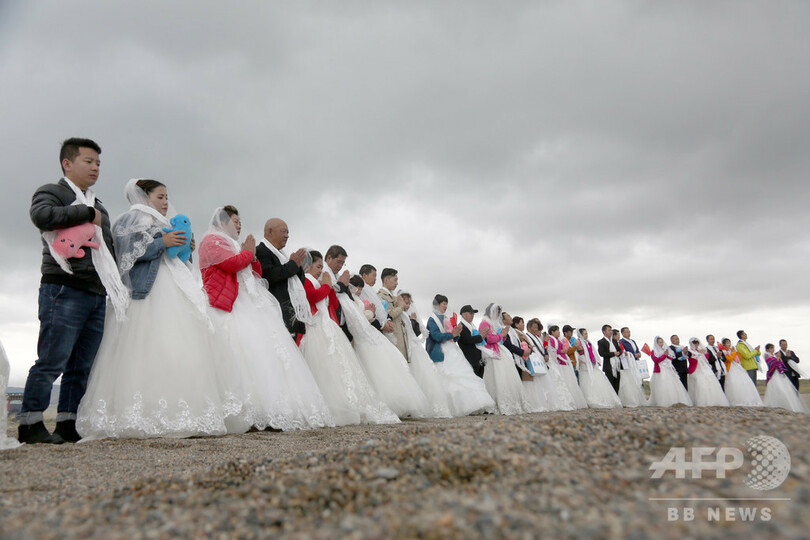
71, 305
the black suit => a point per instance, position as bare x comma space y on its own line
604, 351
715, 361
276, 275
680, 364
468, 343
791, 374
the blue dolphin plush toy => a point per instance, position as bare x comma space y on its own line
183, 224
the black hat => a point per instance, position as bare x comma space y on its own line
468, 309
567, 328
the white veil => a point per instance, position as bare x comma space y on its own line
134, 230
585, 355
493, 314
220, 244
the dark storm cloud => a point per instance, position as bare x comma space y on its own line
574, 157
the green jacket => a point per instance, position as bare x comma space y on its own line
747, 356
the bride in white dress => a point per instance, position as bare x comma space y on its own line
427, 375
330, 356
704, 388
260, 367
466, 393
631, 391
593, 382
558, 348
740, 389
666, 388
154, 374
385, 366
500, 374
556, 394
780, 392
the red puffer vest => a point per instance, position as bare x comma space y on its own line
220, 281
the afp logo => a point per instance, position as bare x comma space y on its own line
770, 463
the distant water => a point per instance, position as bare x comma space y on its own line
19, 390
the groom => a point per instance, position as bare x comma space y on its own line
278, 268
71, 306
610, 351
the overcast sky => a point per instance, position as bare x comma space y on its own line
636, 163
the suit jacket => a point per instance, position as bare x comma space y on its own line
276, 276
468, 343
394, 313
713, 360
52, 209
603, 347
679, 363
791, 373
276, 273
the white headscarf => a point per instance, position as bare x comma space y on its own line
661, 351
222, 235
103, 261
134, 230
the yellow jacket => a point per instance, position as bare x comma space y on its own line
747, 356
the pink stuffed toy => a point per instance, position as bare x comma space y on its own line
69, 242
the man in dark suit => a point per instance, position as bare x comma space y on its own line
609, 350
716, 359
680, 363
469, 339
278, 268
787, 354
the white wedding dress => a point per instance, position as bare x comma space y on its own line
429, 379
503, 381
540, 391
740, 389
595, 386
154, 374
385, 366
465, 391
666, 388
336, 369
631, 391
704, 388
261, 368
566, 371
781, 393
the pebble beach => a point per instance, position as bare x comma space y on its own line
569, 474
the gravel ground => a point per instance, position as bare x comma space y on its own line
570, 474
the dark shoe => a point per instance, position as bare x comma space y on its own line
67, 430
37, 433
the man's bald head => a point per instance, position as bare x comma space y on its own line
276, 232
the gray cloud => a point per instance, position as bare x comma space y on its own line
571, 158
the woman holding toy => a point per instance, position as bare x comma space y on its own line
154, 375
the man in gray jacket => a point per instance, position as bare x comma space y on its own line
71, 306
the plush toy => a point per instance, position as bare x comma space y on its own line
182, 224
69, 242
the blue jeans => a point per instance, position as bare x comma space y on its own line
71, 323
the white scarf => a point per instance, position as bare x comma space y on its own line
282, 257
367, 293
295, 289
103, 261
760, 365
435, 316
469, 326
721, 366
